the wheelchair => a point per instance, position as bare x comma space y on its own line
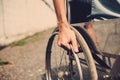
88, 63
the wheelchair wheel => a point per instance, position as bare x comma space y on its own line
64, 64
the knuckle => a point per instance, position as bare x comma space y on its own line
59, 44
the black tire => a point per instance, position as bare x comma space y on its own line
75, 69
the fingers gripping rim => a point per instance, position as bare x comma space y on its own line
87, 54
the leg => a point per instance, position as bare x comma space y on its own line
89, 27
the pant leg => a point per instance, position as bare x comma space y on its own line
79, 10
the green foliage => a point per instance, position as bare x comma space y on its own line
29, 39
19, 43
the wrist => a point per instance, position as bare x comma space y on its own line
63, 24
61, 21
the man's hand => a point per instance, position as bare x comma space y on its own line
67, 37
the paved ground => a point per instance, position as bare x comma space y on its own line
28, 61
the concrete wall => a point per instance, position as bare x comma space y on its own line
20, 18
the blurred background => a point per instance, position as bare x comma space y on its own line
21, 18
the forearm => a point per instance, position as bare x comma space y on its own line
60, 10
66, 35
